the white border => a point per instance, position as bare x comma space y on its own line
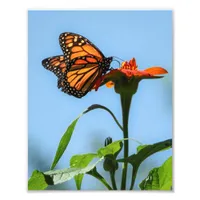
14, 97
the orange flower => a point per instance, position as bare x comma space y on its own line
130, 69
128, 76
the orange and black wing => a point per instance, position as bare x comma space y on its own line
82, 76
57, 65
76, 46
85, 63
82, 64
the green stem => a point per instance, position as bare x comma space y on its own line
134, 173
98, 176
112, 177
126, 103
95, 106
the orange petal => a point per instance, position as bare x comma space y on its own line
127, 72
156, 70
109, 84
132, 64
124, 64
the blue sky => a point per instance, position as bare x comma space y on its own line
145, 35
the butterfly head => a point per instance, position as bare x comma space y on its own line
110, 59
106, 64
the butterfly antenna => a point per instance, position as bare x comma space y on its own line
117, 61
118, 58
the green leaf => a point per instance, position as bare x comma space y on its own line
149, 150
78, 180
64, 143
117, 153
37, 181
140, 147
145, 151
95, 106
81, 161
165, 175
110, 149
159, 178
151, 182
60, 176
67, 135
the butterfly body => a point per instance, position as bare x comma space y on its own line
80, 66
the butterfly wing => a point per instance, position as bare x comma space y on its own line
82, 64
81, 77
75, 45
57, 65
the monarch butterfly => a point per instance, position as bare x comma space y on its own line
80, 66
